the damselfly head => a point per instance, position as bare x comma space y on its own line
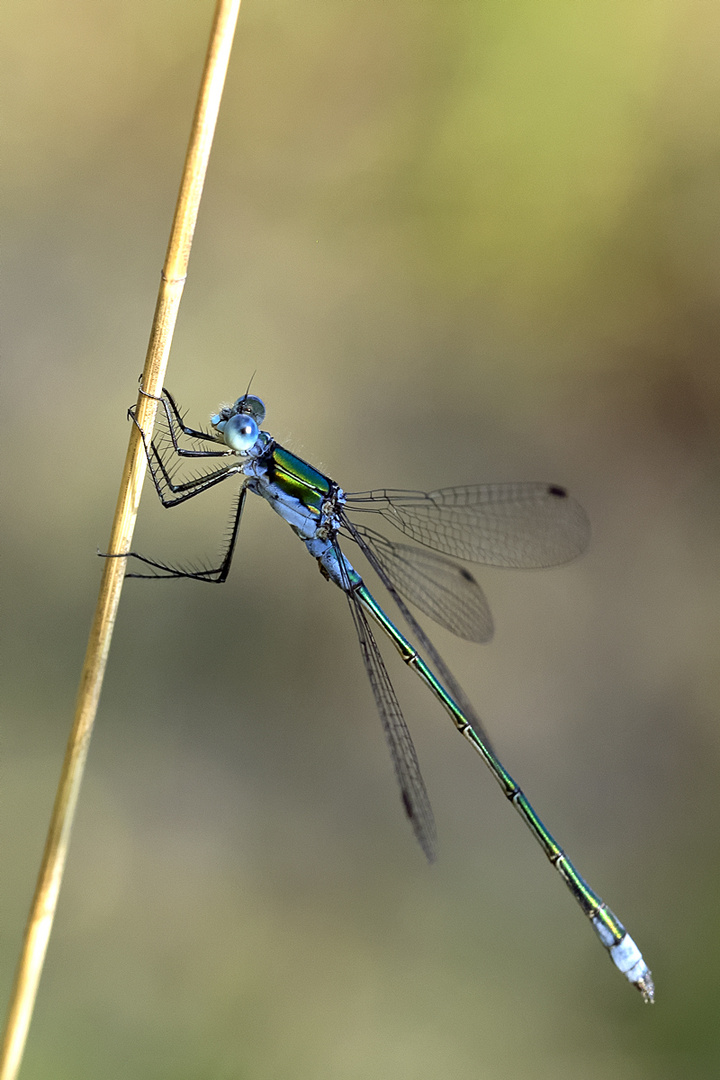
251, 405
239, 424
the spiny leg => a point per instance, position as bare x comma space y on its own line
215, 575
154, 450
162, 477
174, 418
163, 481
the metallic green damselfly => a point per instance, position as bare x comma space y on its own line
511, 525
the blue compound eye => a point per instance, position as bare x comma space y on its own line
240, 432
248, 403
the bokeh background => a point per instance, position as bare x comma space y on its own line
453, 242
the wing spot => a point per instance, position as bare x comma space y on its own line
559, 492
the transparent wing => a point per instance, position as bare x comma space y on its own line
513, 525
421, 637
407, 769
448, 593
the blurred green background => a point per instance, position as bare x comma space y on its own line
455, 242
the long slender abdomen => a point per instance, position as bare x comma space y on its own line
624, 952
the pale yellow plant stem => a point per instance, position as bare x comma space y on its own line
42, 911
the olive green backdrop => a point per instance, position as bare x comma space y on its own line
453, 241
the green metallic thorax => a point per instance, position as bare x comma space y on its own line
298, 479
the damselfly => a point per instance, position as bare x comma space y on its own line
511, 525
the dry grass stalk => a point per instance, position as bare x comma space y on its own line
42, 911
